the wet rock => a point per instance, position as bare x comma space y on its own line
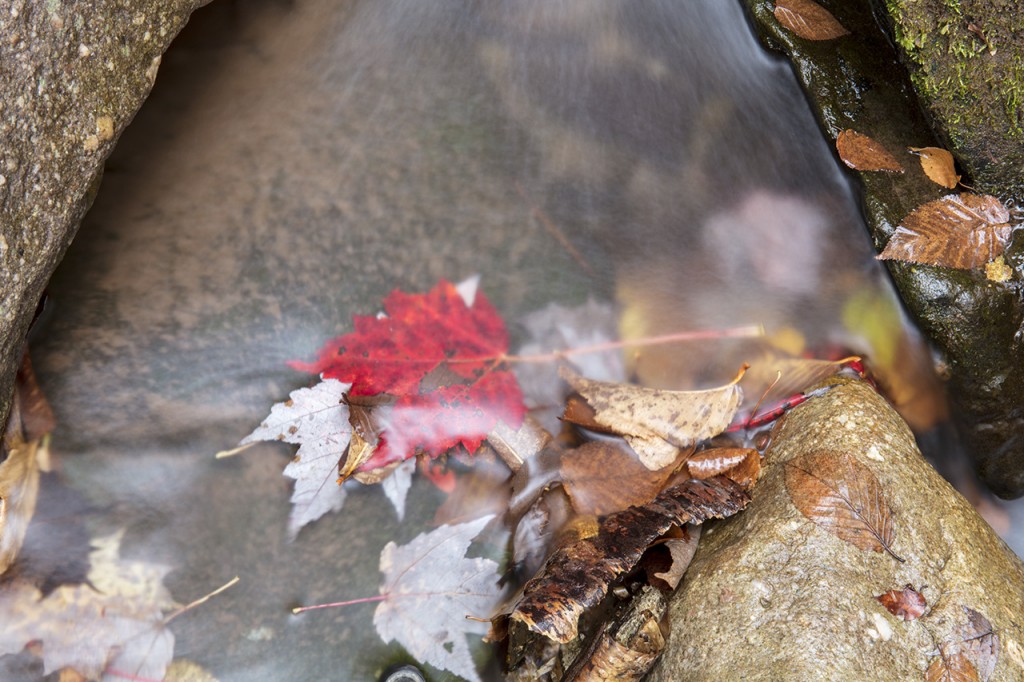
857, 82
966, 61
74, 75
772, 595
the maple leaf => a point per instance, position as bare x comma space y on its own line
439, 354
113, 622
315, 419
429, 588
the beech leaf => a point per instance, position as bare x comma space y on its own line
658, 423
842, 496
907, 603
605, 476
952, 668
938, 165
742, 465
115, 620
957, 231
863, 153
808, 20
577, 576
430, 588
317, 420
976, 638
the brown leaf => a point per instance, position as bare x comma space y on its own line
955, 668
937, 164
742, 465
907, 603
842, 496
657, 424
862, 153
681, 551
808, 20
577, 577
957, 231
979, 642
606, 476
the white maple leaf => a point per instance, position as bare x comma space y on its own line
396, 486
430, 588
114, 622
315, 419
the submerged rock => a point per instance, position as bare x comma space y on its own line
857, 82
74, 75
786, 593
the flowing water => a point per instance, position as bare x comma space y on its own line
300, 159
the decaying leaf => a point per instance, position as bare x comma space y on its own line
317, 420
577, 576
605, 476
937, 164
842, 496
681, 550
957, 231
907, 603
863, 153
808, 20
115, 621
742, 465
978, 641
430, 588
952, 668
656, 423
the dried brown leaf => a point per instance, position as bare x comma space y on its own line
742, 465
863, 153
938, 165
606, 476
842, 496
808, 20
656, 423
681, 551
957, 231
978, 641
907, 603
954, 668
577, 576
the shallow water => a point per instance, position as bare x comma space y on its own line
299, 160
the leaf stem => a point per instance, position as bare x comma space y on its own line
201, 600
363, 600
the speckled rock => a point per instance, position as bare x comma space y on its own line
857, 82
771, 595
74, 74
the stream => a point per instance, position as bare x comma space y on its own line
299, 159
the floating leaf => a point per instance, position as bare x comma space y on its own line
808, 20
863, 153
577, 576
957, 231
937, 164
317, 420
953, 668
656, 423
429, 588
605, 476
907, 603
842, 496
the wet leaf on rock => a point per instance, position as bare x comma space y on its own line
938, 165
430, 587
842, 496
658, 423
953, 668
863, 153
957, 231
742, 465
907, 603
808, 20
577, 576
978, 641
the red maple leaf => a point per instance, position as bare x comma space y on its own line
443, 362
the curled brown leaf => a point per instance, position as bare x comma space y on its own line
742, 465
907, 603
